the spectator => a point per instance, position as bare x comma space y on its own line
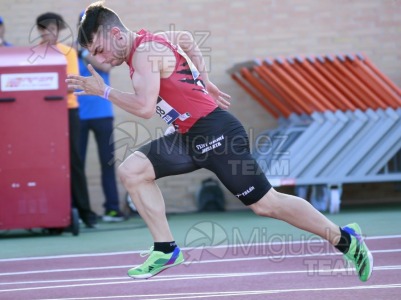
96, 114
3, 42
49, 26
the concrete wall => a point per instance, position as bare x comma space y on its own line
228, 32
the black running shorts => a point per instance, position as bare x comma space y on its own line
217, 142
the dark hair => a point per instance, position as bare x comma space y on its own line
96, 15
44, 20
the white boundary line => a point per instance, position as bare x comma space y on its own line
315, 240
248, 293
239, 293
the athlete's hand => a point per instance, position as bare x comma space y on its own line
93, 85
218, 96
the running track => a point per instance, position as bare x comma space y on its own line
273, 271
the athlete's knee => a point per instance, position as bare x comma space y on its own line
268, 205
135, 169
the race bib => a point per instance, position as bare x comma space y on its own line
168, 113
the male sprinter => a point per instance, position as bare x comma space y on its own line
169, 78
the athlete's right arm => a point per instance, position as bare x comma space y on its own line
145, 82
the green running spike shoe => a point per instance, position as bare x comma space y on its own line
358, 253
156, 262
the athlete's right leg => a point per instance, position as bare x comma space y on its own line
163, 157
138, 177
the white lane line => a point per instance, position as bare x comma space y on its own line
207, 275
346, 271
275, 258
237, 293
312, 240
248, 293
383, 237
177, 276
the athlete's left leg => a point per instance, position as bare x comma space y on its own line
241, 174
301, 214
297, 212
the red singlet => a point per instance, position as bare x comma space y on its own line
183, 99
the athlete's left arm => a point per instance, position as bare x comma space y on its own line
188, 44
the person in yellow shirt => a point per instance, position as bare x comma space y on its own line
49, 25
